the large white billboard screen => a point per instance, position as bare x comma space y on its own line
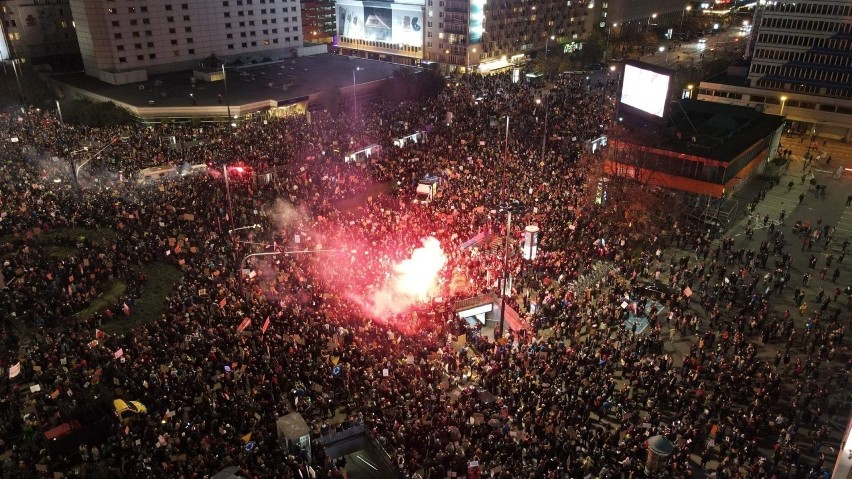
645, 90
395, 23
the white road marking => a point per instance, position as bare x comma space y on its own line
367, 462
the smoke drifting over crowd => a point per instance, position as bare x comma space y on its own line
411, 280
381, 278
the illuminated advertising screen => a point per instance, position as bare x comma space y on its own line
477, 21
645, 89
397, 23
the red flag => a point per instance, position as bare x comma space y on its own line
246, 322
223, 302
265, 325
99, 334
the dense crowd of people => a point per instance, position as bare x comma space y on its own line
243, 340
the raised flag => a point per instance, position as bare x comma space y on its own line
246, 438
223, 302
246, 323
15, 370
99, 334
265, 325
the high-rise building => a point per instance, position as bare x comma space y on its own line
122, 42
641, 14
801, 66
318, 21
37, 32
460, 34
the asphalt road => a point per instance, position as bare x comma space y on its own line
360, 465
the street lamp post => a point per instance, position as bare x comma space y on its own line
354, 93
59, 111
546, 40
690, 87
75, 168
544, 135
608, 33
227, 97
783, 102
682, 14
228, 194
652, 17
509, 208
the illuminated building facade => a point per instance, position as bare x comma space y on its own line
318, 21
460, 34
121, 42
37, 32
800, 67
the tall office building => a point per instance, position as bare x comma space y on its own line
318, 21
37, 32
801, 66
121, 42
460, 34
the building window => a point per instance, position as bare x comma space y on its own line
148, 33
120, 48
150, 44
172, 30
184, 6
131, 9
168, 8
187, 29
144, 9
176, 53
114, 23
140, 57
174, 42
191, 51
137, 46
134, 22
170, 19
186, 18
224, 4
135, 34
117, 36
230, 45
152, 56
122, 59
189, 40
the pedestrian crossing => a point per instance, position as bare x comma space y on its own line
844, 225
778, 199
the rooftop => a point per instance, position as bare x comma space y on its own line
279, 81
710, 130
